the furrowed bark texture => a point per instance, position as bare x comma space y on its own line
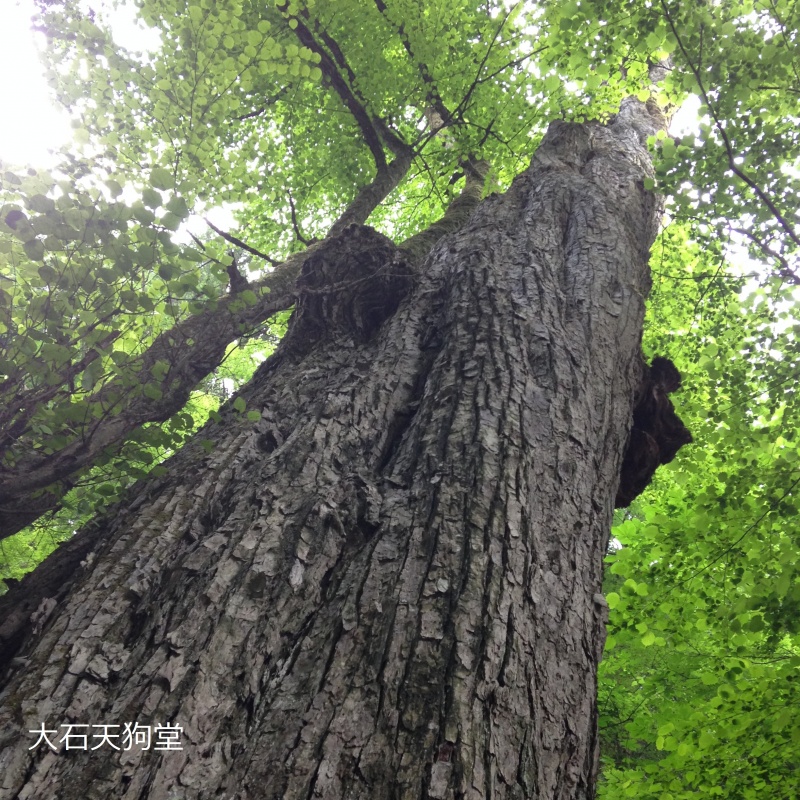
389, 585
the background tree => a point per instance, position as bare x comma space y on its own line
314, 118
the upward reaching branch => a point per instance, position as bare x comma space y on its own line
456, 214
433, 98
369, 196
342, 88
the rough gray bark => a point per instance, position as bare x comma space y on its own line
389, 586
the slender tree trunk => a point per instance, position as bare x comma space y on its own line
389, 586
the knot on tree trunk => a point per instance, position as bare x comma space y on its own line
348, 288
657, 433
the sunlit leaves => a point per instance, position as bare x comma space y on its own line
714, 539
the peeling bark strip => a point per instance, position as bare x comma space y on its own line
388, 586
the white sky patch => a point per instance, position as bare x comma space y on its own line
128, 30
30, 124
686, 120
221, 216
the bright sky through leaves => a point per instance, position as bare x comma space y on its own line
30, 125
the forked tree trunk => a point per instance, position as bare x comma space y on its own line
389, 585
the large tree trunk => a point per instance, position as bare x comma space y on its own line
389, 586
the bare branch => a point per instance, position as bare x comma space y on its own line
270, 101
229, 237
786, 271
466, 98
433, 98
297, 232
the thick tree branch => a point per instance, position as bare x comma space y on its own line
193, 349
456, 214
368, 197
394, 142
375, 131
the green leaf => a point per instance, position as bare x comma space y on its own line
170, 221
114, 187
152, 391
40, 203
34, 249
160, 178
166, 271
177, 206
47, 274
552, 83
151, 198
